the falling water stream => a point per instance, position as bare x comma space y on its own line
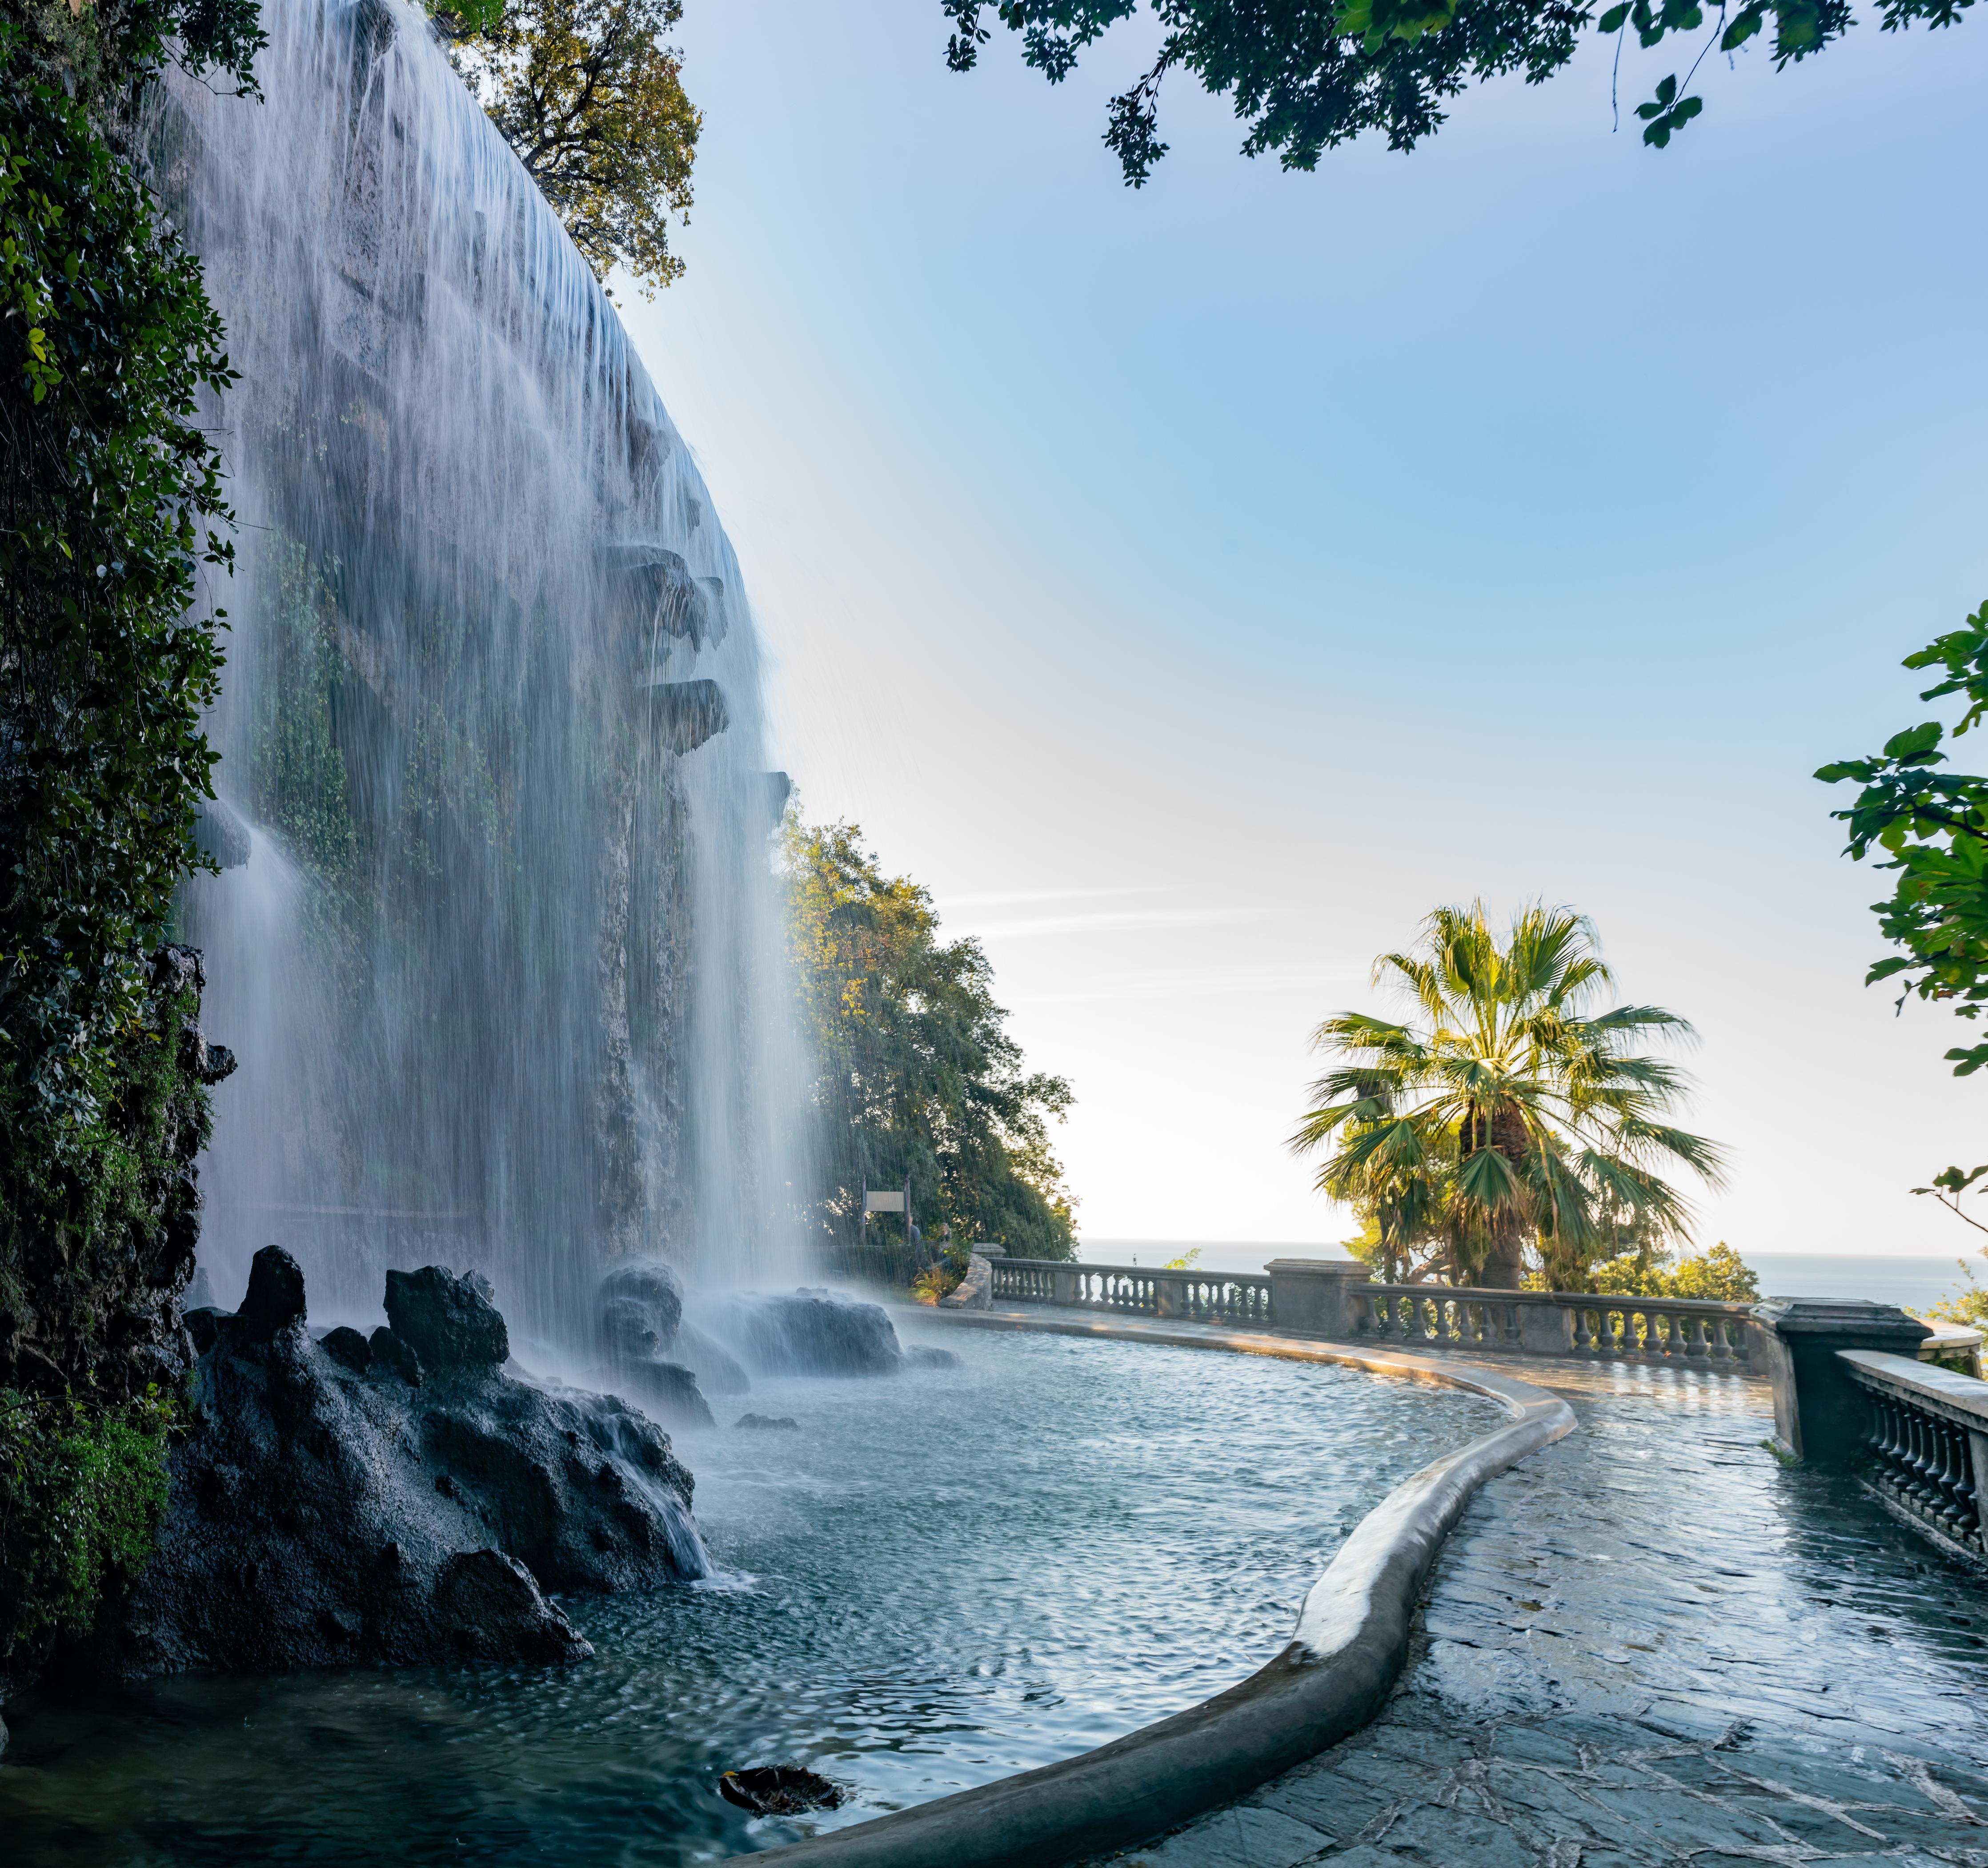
501, 964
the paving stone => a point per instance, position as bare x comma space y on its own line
1243, 1835
1453, 1834
1650, 1645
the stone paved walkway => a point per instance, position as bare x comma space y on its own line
1651, 1644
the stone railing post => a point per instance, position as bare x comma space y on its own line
1169, 1294
1314, 1296
1818, 1410
1063, 1287
1545, 1328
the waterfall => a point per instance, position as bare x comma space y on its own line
503, 965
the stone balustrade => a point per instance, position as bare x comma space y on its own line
1560, 1322
1333, 1297
1199, 1296
1924, 1444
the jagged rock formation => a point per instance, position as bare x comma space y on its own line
640, 1315
411, 1499
811, 1332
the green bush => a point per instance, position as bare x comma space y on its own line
81, 1492
1719, 1275
109, 502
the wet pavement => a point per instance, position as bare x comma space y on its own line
1651, 1643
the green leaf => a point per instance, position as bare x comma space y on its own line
1915, 742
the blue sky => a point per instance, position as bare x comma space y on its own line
1195, 586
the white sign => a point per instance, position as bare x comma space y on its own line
884, 1203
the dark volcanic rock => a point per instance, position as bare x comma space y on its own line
666, 1389
641, 1304
812, 1333
393, 1356
718, 1371
345, 1345
447, 1318
641, 1311
918, 1356
319, 1516
766, 1422
204, 1325
275, 1299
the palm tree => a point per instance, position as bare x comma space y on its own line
1504, 1114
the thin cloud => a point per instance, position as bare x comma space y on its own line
1187, 983
1014, 897
1108, 921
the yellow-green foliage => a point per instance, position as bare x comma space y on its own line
1719, 1276
1969, 1305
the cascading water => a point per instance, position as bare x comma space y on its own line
501, 966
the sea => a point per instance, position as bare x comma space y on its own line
1915, 1283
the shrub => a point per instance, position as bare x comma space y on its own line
81, 1492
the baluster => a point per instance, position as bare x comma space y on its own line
1891, 1446
1966, 1491
1953, 1501
1906, 1463
1918, 1460
1935, 1470
1873, 1435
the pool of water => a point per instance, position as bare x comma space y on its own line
938, 1579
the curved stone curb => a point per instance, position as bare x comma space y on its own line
1351, 1638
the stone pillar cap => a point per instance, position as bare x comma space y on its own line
1331, 1259
1822, 1316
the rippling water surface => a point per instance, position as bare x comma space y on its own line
939, 1579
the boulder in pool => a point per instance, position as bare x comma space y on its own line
641, 1306
638, 1324
812, 1332
325, 1514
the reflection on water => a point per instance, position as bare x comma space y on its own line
941, 1579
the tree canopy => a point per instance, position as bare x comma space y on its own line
1309, 74
592, 101
1508, 1114
916, 1076
1932, 825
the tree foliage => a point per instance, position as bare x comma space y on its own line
592, 101
1309, 74
915, 1074
1932, 826
110, 503
1507, 1115
1719, 1275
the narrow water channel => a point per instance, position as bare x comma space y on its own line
932, 1580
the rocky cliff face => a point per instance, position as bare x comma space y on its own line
412, 1498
